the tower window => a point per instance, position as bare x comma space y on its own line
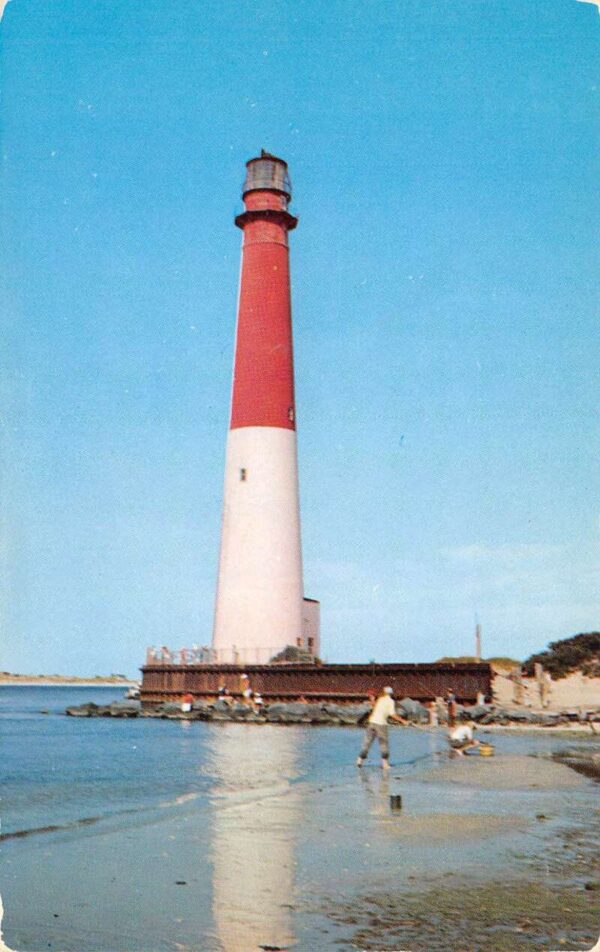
291, 414
243, 475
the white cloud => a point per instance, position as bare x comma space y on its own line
507, 554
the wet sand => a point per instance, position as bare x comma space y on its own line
543, 899
461, 915
503, 772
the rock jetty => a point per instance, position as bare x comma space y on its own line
296, 712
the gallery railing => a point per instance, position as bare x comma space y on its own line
206, 655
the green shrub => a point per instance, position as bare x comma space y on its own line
579, 653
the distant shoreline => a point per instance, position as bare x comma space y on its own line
31, 681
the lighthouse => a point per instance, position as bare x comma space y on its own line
260, 608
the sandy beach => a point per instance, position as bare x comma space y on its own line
50, 680
575, 692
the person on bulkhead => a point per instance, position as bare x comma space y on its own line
377, 727
224, 694
247, 692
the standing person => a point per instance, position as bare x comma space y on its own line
225, 695
247, 692
451, 705
377, 727
186, 703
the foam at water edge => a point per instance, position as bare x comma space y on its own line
3, 945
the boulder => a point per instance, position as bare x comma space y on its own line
347, 713
202, 711
319, 715
201, 706
126, 708
476, 712
82, 710
169, 709
524, 717
548, 719
220, 711
89, 710
293, 713
413, 710
570, 714
301, 713
248, 716
241, 712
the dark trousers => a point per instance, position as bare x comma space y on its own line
380, 732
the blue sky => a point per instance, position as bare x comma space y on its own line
445, 288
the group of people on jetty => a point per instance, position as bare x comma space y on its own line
250, 698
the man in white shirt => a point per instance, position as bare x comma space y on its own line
377, 727
461, 738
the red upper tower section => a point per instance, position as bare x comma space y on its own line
263, 382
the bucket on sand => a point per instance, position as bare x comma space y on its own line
486, 750
395, 801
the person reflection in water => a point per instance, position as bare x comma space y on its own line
377, 727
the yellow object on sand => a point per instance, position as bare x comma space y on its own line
486, 750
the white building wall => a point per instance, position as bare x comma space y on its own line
311, 626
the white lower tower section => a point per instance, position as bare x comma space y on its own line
260, 587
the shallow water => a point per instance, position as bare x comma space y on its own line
182, 836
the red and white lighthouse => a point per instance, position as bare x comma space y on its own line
259, 604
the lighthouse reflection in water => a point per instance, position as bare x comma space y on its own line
256, 813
